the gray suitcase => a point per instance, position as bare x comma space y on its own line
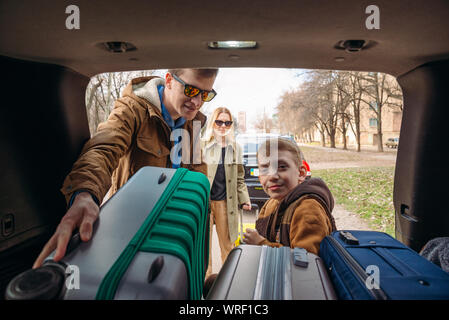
265, 273
149, 275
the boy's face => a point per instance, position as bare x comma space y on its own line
279, 177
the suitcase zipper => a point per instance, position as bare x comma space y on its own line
377, 294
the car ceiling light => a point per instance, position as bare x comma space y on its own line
232, 44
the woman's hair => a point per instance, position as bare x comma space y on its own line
282, 145
209, 134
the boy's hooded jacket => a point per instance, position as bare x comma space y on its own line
135, 135
303, 216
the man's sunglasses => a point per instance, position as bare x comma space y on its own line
221, 123
192, 91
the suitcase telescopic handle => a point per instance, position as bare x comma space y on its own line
241, 222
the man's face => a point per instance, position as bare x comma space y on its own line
178, 104
279, 177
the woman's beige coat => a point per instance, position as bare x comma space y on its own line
236, 190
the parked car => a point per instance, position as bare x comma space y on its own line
250, 144
392, 143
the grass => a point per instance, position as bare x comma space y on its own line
366, 191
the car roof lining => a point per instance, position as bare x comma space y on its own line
290, 34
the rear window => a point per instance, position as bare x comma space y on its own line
332, 115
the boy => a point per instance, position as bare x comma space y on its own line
298, 213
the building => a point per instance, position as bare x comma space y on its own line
391, 120
241, 119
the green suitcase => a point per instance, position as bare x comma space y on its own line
150, 242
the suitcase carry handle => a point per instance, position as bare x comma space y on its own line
74, 242
253, 206
348, 238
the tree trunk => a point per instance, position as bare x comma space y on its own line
92, 94
358, 139
379, 103
332, 138
323, 138
380, 146
96, 119
344, 129
357, 129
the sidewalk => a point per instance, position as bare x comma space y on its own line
352, 147
248, 217
319, 157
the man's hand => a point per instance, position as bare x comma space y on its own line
251, 236
82, 215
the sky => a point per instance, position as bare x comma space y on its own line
252, 90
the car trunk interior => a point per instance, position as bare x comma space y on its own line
43, 127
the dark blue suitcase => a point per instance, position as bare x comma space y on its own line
369, 265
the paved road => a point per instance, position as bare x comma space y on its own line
248, 217
332, 158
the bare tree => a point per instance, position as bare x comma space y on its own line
320, 99
103, 90
264, 123
352, 89
332, 101
342, 100
294, 116
311, 106
379, 93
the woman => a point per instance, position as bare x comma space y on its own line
226, 176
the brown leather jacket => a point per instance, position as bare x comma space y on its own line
303, 218
135, 135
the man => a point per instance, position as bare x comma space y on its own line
137, 133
